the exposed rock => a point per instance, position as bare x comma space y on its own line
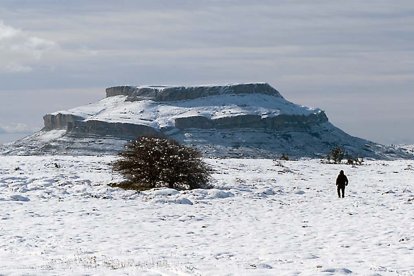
120, 91
165, 93
121, 130
281, 122
60, 121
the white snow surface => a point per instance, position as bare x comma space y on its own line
162, 114
264, 217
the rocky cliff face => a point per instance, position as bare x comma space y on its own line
242, 120
60, 121
165, 93
278, 123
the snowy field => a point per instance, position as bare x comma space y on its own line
265, 217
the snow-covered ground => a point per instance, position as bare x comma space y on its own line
59, 217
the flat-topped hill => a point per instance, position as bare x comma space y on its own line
238, 120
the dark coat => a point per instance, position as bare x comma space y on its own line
341, 180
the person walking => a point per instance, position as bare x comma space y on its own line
341, 182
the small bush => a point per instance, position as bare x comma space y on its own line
336, 155
151, 162
284, 157
355, 161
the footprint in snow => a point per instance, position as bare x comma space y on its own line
333, 271
261, 266
19, 198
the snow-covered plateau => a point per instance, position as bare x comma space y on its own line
263, 217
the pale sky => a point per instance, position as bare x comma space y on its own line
353, 59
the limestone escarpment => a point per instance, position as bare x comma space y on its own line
168, 93
119, 129
281, 122
60, 121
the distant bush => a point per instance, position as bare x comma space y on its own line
336, 155
150, 162
355, 161
284, 157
